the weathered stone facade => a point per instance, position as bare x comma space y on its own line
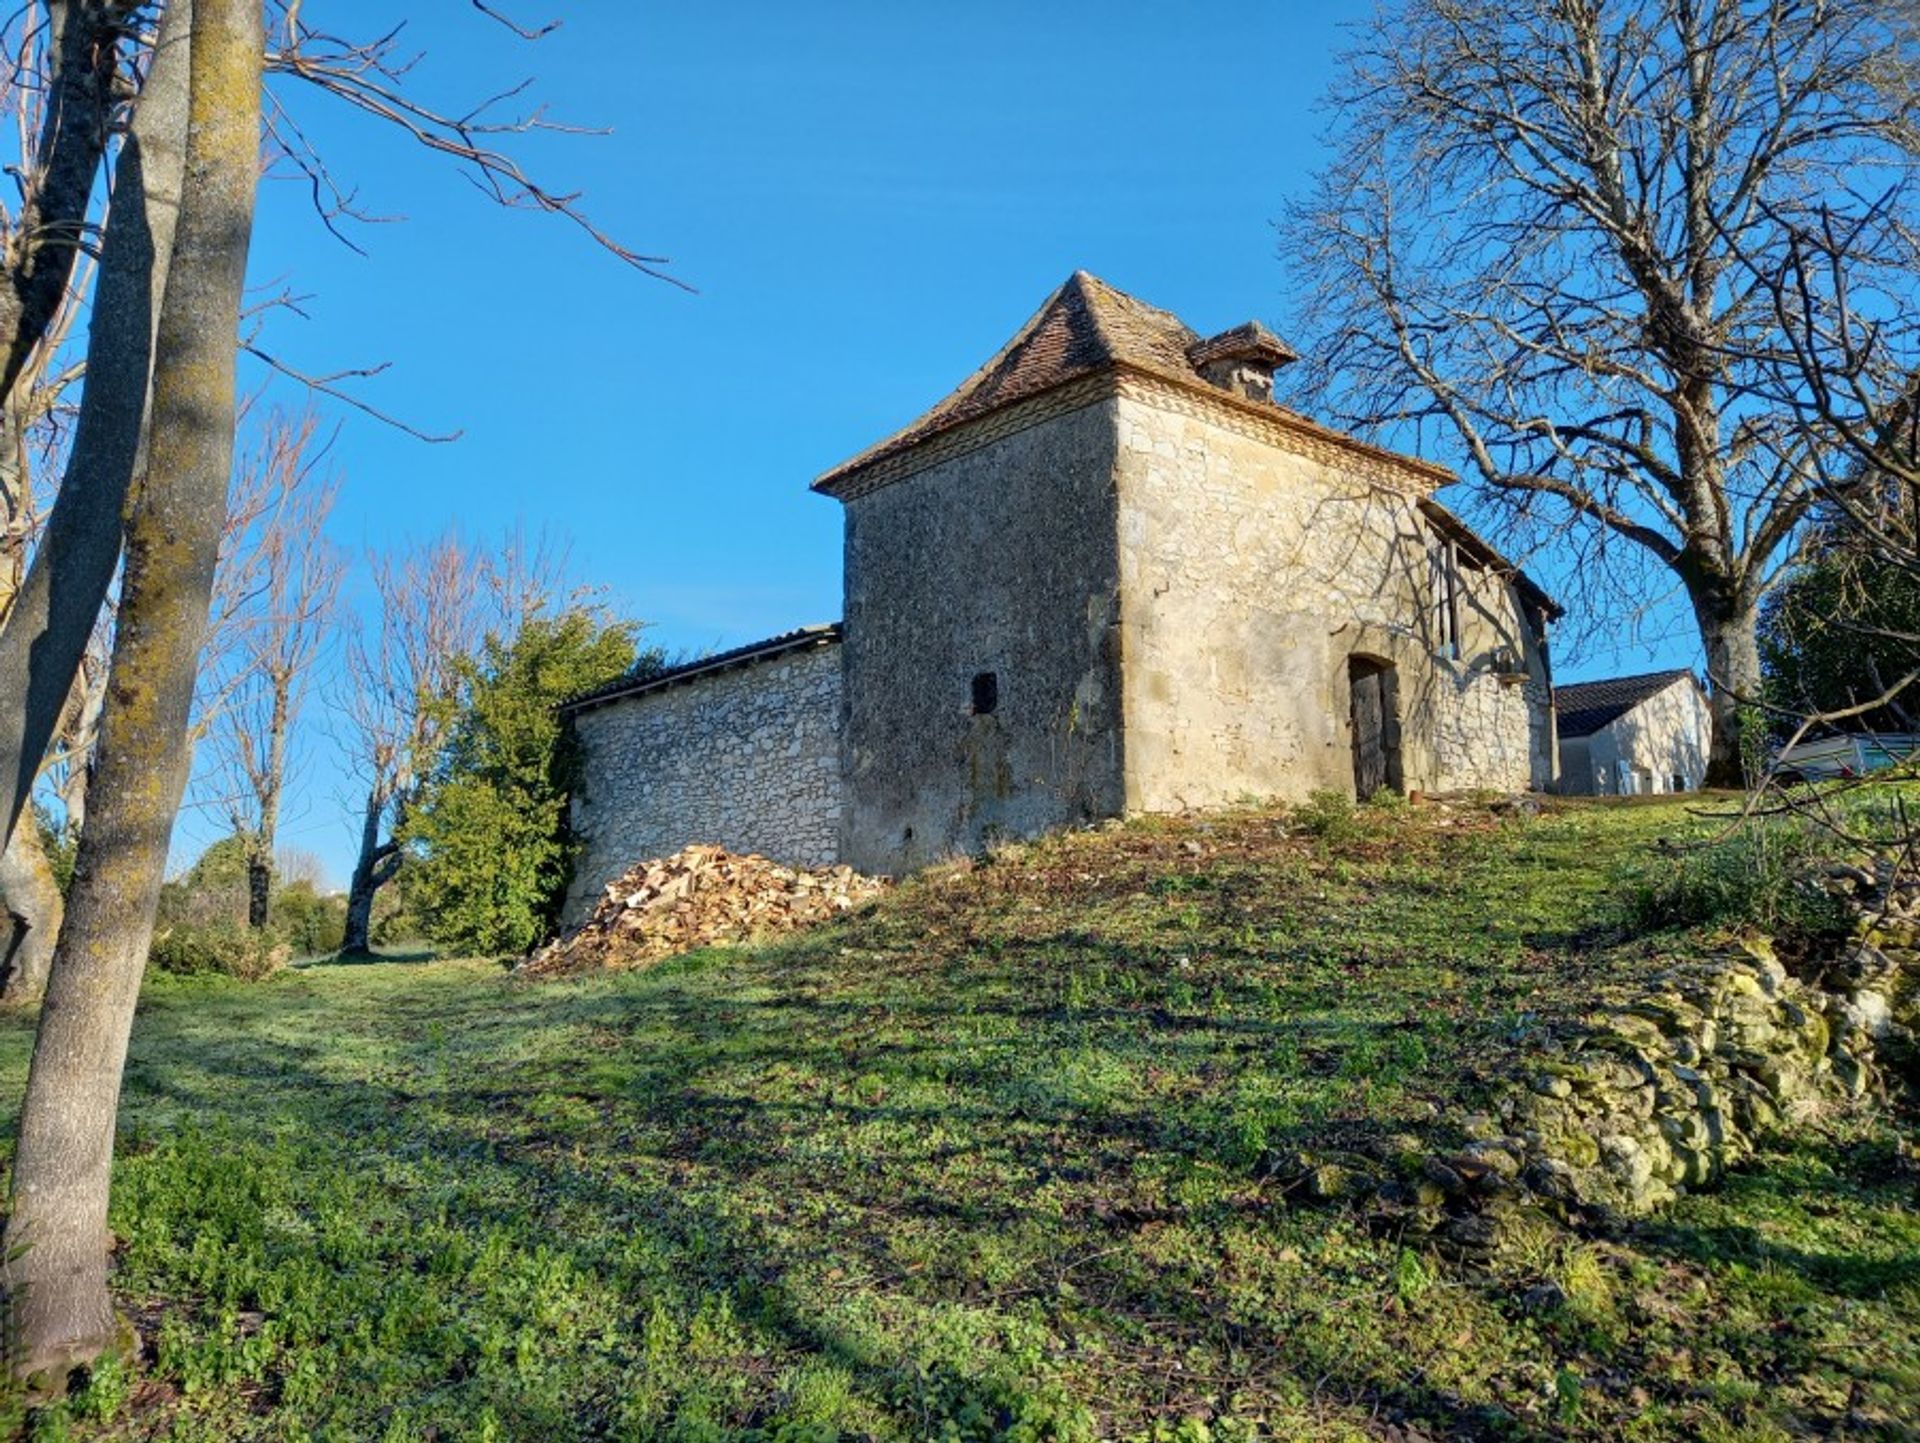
1252, 569
1106, 575
999, 562
746, 756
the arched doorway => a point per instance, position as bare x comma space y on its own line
1375, 690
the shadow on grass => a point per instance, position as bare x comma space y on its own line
403, 954
714, 1121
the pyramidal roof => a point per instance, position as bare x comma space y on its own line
1086, 327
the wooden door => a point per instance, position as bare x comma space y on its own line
1376, 728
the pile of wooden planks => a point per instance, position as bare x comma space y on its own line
699, 896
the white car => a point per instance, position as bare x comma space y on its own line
1849, 756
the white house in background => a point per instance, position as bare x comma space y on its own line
1633, 735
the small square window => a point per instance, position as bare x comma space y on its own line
986, 693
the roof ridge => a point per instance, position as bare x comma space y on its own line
1671, 671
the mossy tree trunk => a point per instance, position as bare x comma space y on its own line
30, 912
59, 1310
51, 620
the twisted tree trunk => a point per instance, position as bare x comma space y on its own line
372, 869
59, 1310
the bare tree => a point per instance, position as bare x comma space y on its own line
42, 642
155, 432
291, 577
402, 665
1550, 228
60, 1312
432, 606
293, 865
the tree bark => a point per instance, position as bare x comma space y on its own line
1729, 629
259, 889
59, 1311
34, 907
271, 783
83, 45
46, 632
368, 869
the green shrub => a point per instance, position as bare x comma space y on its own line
216, 949
1328, 815
1761, 875
310, 924
488, 841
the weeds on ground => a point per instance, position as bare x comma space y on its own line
992, 1160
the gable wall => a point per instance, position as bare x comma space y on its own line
747, 758
1000, 559
1250, 574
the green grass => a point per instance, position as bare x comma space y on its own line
992, 1160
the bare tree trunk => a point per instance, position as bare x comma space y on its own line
46, 632
1729, 630
60, 1312
33, 905
84, 43
370, 870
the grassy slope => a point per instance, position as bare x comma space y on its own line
990, 1161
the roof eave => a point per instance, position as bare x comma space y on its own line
800, 639
1484, 552
842, 478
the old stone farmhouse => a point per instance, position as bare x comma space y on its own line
1633, 735
1106, 575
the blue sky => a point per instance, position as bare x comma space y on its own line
867, 198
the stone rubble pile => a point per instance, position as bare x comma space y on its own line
700, 896
1661, 1094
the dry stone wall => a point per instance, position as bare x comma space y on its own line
747, 759
1658, 1095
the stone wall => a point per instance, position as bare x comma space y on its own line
997, 562
1664, 737
1657, 1096
746, 758
1250, 575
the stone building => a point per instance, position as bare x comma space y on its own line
1107, 575
1633, 735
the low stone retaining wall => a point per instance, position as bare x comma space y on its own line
1652, 1097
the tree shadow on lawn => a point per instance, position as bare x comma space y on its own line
402, 954
1806, 1236
729, 1190
1806, 1185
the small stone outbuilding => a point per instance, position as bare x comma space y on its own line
1108, 574
1633, 735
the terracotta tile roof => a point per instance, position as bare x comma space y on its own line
1087, 327
1251, 340
1084, 327
1586, 706
821, 634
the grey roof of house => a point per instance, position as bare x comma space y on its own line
1586, 706
800, 639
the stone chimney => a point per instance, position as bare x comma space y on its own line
1242, 360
